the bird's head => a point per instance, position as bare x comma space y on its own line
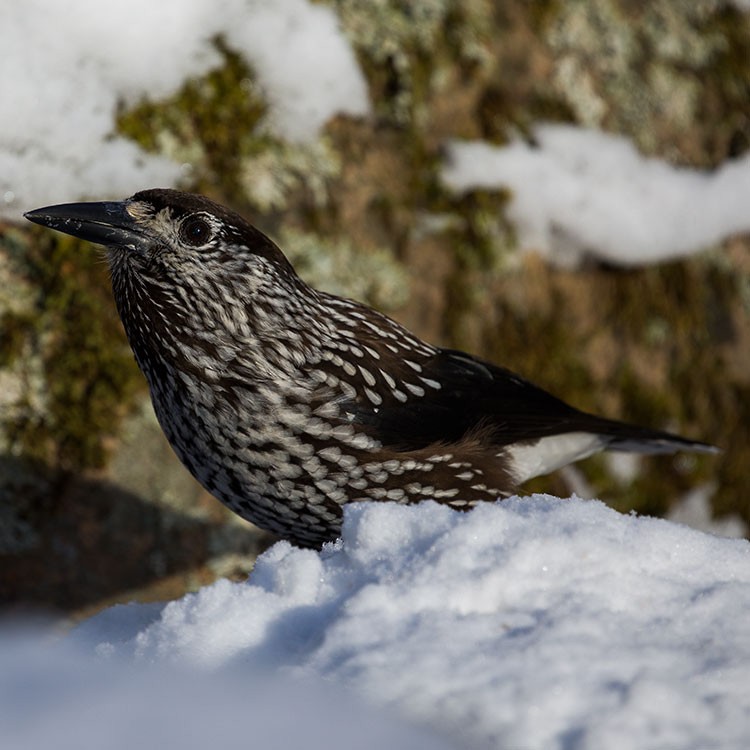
168, 235
187, 269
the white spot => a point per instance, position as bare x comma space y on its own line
374, 397
318, 375
288, 470
326, 485
440, 457
368, 377
400, 395
332, 454
315, 469
347, 462
317, 427
361, 441
388, 379
348, 390
414, 365
465, 476
342, 431
338, 496
312, 494
529, 460
415, 389
445, 493
372, 352
431, 383
284, 487
327, 410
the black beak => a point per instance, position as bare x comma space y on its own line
102, 223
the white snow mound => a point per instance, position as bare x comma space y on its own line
532, 623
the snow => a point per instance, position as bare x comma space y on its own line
69, 65
59, 698
531, 623
578, 192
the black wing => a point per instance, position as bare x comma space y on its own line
475, 395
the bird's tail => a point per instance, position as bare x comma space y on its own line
633, 439
587, 435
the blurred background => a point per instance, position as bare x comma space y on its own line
560, 187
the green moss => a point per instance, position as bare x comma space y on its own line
217, 125
732, 495
14, 331
389, 38
542, 346
726, 87
481, 239
267, 178
672, 76
406, 49
490, 237
375, 278
503, 111
211, 123
75, 346
662, 324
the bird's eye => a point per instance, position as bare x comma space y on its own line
195, 231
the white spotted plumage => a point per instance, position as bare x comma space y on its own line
286, 402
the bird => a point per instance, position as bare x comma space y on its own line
287, 403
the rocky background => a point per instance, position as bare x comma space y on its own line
94, 508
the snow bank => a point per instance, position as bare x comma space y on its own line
581, 192
60, 699
532, 623
68, 65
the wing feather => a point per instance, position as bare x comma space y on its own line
475, 395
